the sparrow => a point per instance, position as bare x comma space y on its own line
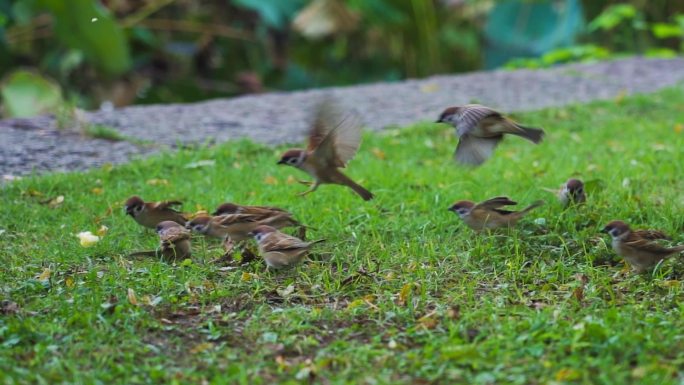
480, 129
238, 226
334, 139
638, 247
570, 193
149, 214
278, 249
232, 208
174, 242
488, 215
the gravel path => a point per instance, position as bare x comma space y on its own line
35, 144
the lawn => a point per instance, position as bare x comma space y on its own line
401, 292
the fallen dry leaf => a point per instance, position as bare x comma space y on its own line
97, 190
270, 180
199, 348
157, 182
678, 128
87, 239
45, 275
102, 230
378, 153
132, 297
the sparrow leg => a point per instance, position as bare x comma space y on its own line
312, 189
301, 233
305, 182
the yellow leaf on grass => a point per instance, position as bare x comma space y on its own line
102, 230
270, 180
45, 275
678, 128
199, 348
428, 322
290, 179
56, 201
87, 238
568, 374
69, 282
97, 190
157, 182
405, 292
378, 153
131, 297
246, 277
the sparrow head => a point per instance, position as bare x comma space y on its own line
226, 208
449, 115
165, 225
574, 188
462, 208
199, 224
616, 229
134, 205
293, 157
261, 231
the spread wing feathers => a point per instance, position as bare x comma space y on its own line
168, 205
474, 151
174, 235
652, 235
471, 116
281, 242
495, 203
232, 219
335, 137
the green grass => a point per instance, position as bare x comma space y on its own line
402, 292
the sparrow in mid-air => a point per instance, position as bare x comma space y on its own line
638, 247
174, 242
149, 214
278, 249
570, 193
334, 139
488, 214
480, 129
238, 226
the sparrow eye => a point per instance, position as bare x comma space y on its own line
137, 209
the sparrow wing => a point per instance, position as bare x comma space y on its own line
334, 137
652, 235
261, 210
174, 234
232, 219
645, 245
281, 242
472, 115
495, 203
474, 151
167, 205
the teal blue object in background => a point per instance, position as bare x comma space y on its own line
519, 28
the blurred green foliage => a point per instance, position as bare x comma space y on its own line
163, 51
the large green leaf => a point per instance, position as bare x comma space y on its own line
25, 93
87, 26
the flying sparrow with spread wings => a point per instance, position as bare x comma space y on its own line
334, 139
638, 247
174, 242
278, 249
149, 214
570, 193
488, 214
480, 129
238, 226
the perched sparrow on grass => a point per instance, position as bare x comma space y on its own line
480, 129
638, 247
174, 242
488, 215
238, 226
570, 193
278, 249
151, 213
334, 139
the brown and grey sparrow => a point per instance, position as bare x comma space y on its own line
278, 249
149, 214
238, 226
638, 247
488, 214
570, 193
334, 139
174, 242
480, 129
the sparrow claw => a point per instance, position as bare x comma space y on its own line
305, 182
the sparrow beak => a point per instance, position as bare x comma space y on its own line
438, 121
215, 213
128, 210
281, 162
604, 230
